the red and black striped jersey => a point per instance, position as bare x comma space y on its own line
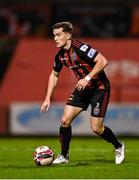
80, 59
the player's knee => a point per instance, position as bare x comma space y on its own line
96, 130
65, 122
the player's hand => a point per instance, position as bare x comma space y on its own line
82, 83
45, 105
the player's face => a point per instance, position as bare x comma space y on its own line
60, 37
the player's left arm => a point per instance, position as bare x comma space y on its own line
100, 63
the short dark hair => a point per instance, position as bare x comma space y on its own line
67, 26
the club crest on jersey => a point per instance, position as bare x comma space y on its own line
84, 47
91, 53
73, 56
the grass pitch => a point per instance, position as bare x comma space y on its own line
90, 158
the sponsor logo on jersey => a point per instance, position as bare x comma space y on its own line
84, 47
91, 53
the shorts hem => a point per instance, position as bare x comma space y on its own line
84, 109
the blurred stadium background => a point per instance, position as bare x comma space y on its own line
26, 57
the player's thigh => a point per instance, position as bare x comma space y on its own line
79, 99
70, 113
99, 103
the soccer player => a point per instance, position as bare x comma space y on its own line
92, 88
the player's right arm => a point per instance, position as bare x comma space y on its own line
53, 79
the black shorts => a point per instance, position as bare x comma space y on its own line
98, 99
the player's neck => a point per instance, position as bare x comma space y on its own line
68, 45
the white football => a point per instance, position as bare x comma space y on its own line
43, 156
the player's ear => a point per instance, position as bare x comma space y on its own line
68, 35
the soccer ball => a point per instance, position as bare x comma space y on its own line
43, 156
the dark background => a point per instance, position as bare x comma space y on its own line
91, 18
